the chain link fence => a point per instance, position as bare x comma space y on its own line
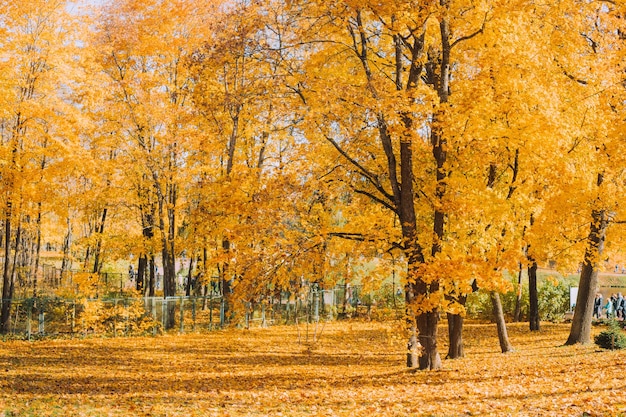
39, 317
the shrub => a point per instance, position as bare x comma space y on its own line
611, 338
553, 297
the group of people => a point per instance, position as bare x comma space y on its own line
615, 306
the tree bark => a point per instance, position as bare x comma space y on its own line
533, 296
498, 313
455, 329
517, 316
189, 277
7, 288
141, 272
152, 276
427, 327
37, 251
580, 331
99, 230
455, 336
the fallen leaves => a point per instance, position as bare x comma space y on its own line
354, 369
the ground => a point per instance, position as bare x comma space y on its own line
339, 369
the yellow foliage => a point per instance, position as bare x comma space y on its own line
353, 369
86, 284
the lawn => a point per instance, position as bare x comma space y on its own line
354, 369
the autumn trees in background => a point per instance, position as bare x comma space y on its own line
274, 143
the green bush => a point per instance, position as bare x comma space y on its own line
611, 338
553, 298
479, 305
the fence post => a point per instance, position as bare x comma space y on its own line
316, 301
211, 311
182, 314
154, 316
115, 319
332, 304
41, 319
73, 317
30, 316
193, 314
164, 317
263, 314
222, 312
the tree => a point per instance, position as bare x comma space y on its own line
147, 68
35, 127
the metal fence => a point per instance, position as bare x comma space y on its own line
57, 317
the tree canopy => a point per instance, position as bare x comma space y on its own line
274, 143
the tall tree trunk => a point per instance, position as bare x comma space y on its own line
141, 272
225, 279
498, 313
166, 209
517, 315
145, 268
99, 230
189, 277
152, 276
37, 251
67, 245
18, 234
533, 296
7, 288
580, 331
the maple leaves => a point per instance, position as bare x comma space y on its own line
352, 369
280, 142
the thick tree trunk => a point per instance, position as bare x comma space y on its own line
455, 332
533, 296
427, 328
580, 331
141, 272
455, 336
498, 313
412, 348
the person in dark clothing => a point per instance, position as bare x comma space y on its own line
597, 306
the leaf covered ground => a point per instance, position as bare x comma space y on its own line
353, 369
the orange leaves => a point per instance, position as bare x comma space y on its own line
354, 369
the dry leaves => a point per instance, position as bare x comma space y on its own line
354, 369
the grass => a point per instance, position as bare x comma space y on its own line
354, 369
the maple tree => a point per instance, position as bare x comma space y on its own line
280, 147
38, 128
395, 91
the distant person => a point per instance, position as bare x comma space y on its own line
619, 306
609, 308
597, 306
